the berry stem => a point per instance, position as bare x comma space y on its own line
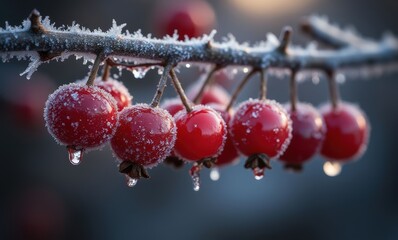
239, 88
94, 70
263, 85
161, 86
333, 89
293, 90
205, 84
180, 91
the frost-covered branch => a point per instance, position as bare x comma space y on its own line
41, 41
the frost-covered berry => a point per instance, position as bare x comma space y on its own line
201, 133
173, 105
145, 136
261, 130
229, 154
115, 88
347, 132
212, 94
80, 117
308, 133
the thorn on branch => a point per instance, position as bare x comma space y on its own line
48, 55
285, 38
36, 25
208, 45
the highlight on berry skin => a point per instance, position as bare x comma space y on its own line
81, 118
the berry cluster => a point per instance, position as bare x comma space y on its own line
202, 128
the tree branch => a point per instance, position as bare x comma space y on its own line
54, 43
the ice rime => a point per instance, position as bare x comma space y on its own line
355, 47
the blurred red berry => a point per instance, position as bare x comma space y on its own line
188, 18
308, 133
347, 132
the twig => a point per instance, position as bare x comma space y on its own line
63, 43
336, 37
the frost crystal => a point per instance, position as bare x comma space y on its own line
33, 65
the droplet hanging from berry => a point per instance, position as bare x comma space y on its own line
260, 130
144, 137
81, 117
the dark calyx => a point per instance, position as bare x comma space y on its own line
133, 170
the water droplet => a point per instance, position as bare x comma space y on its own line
140, 72
195, 170
340, 78
258, 173
214, 174
131, 182
332, 169
75, 156
315, 78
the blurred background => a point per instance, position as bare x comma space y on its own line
45, 197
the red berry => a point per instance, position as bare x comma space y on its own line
229, 155
117, 90
25, 100
188, 18
81, 117
201, 133
145, 135
261, 127
212, 94
308, 133
173, 105
347, 132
